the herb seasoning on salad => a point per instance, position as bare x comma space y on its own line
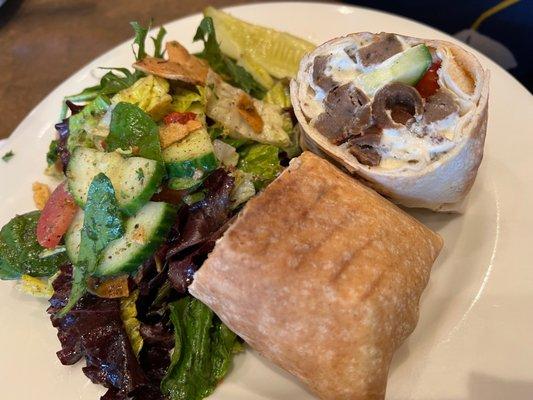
154, 164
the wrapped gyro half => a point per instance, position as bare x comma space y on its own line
407, 116
322, 276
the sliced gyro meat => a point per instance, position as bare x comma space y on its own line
363, 147
439, 106
366, 155
337, 128
347, 113
320, 78
385, 46
351, 51
345, 99
395, 105
370, 136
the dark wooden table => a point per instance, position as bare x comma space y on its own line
42, 42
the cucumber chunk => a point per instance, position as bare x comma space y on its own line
188, 168
73, 237
408, 68
192, 157
144, 233
135, 179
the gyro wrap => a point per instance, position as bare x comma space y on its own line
363, 101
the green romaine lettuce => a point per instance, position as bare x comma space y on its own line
243, 189
203, 351
185, 100
293, 149
279, 95
150, 94
261, 161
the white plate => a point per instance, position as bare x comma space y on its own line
475, 335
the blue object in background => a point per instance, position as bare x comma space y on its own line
502, 30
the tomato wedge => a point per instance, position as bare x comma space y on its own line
56, 217
428, 85
179, 117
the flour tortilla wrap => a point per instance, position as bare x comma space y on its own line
440, 174
322, 276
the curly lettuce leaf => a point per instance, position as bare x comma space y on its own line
222, 64
112, 83
94, 331
203, 351
140, 40
158, 42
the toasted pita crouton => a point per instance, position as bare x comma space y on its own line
181, 65
111, 288
174, 132
180, 55
41, 194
